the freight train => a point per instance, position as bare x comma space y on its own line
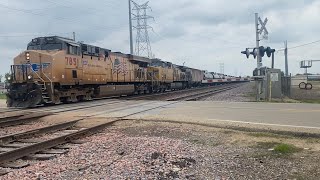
56, 70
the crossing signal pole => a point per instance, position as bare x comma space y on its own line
257, 41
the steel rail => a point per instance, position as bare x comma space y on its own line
37, 147
7, 118
196, 96
37, 132
159, 95
34, 148
208, 94
21, 120
146, 96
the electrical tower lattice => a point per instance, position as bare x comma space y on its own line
143, 47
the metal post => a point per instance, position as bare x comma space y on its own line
258, 83
257, 41
130, 28
270, 88
74, 36
272, 65
286, 58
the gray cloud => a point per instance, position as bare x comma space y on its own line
201, 33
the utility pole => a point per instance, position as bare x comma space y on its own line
143, 47
286, 58
130, 28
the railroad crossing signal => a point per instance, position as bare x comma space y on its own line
262, 51
263, 28
246, 52
254, 53
270, 51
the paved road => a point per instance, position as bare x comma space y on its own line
3, 103
280, 115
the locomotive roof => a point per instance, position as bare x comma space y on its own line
55, 38
74, 43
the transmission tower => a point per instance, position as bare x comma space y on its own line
143, 47
221, 68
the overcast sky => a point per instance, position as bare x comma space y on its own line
201, 33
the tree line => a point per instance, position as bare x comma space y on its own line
6, 76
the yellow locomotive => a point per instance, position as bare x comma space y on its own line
56, 69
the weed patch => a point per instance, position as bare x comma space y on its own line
286, 149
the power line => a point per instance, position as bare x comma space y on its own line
34, 35
58, 18
94, 10
302, 45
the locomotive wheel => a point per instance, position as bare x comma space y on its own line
57, 99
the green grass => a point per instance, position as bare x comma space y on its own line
261, 134
311, 101
279, 148
267, 145
276, 150
286, 149
249, 94
3, 96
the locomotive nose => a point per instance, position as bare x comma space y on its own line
31, 66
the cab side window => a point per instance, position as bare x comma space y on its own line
73, 50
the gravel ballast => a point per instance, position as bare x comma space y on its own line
244, 93
167, 151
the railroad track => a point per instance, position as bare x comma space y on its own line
20, 119
159, 94
199, 95
51, 138
83, 105
163, 96
184, 94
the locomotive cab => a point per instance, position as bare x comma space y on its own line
32, 79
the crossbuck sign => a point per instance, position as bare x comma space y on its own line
263, 28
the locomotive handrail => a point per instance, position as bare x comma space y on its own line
35, 72
51, 83
41, 78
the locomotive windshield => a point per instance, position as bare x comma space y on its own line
56, 46
50, 43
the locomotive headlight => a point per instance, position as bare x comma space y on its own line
29, 77
28, 56
9, 78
